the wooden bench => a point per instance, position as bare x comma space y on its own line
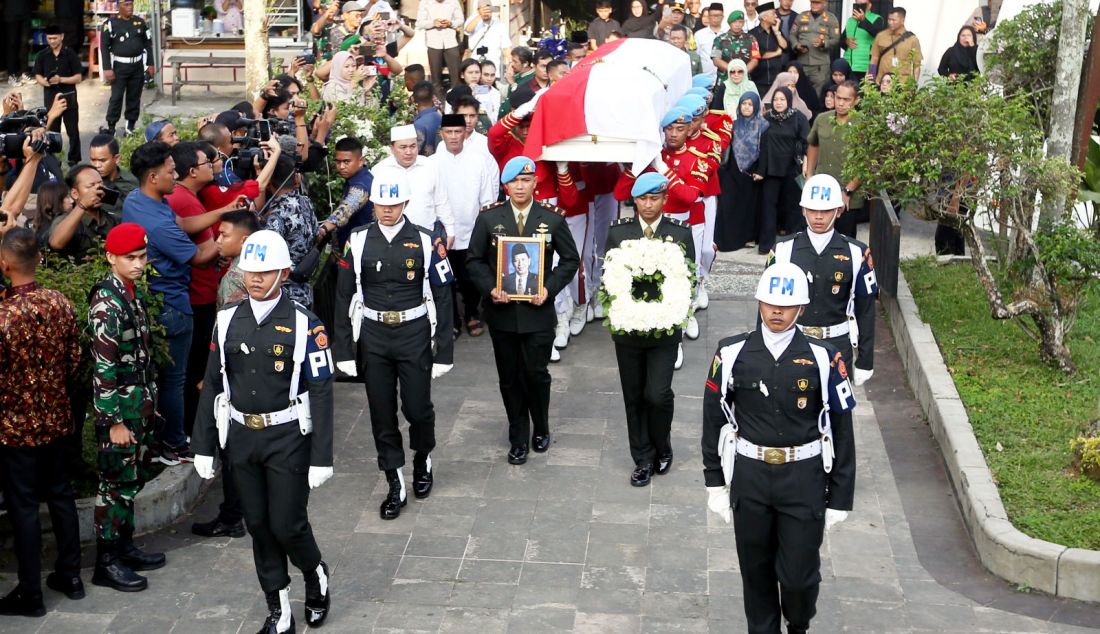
204, 62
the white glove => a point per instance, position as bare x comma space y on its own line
563, 167
318, 476
204, 466
833, 517
527, 108
862, 376
439, 369
347, 367
659, 164
718, 501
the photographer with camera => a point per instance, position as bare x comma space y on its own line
487, 36
19, 126
58, 70
20, 191
287, 116
86, 226
104, 155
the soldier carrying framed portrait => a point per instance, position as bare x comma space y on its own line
520, 267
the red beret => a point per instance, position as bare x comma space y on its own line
126, 238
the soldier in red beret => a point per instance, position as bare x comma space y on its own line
124, 396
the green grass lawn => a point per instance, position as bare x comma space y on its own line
1023, 413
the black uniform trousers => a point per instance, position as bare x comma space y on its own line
393, 356
71, 119
645, 371
779, 523
271, 467
30, 476
522, 365
779, 207
464, 287
129, 80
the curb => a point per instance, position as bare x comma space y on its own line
1008, 553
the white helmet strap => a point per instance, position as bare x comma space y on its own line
274, 285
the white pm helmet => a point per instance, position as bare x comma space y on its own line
822, 193
390, 186
783, 284
265, 251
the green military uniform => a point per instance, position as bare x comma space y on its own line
820, 34
124, 392
124, 184
728, 46
89, 234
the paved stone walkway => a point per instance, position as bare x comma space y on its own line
564, 543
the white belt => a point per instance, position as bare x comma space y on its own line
127, 60
778, 455
824, 332
394, 317
259, 421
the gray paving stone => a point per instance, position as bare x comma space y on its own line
597, 623
475, 621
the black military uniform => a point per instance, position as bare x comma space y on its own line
779, 504
271, 457
842, 292
395, 345
126, 48
523, 333
646, 364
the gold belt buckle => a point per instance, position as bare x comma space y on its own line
813, 331
773, 455
391, 317
254, 421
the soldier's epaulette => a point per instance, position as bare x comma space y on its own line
491, 206
711, 134
623, 221
720, 113
697, 152
552, 209
676, 222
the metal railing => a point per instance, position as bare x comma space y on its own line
885, 243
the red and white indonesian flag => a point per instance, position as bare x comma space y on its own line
609, 107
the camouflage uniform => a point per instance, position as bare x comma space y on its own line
124, 392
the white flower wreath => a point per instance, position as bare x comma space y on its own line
647, 260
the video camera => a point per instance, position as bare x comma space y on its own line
251, 148
12, 133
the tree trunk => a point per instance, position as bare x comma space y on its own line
1053, 350
257, 54
1067, 84
1090, 96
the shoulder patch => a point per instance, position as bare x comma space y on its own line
623, 221
676, 222
697, 152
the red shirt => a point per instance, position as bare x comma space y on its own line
504, 146
204, 279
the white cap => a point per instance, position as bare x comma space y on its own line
822, 193
783, 284
353, 6
402, 132
264, 251
390, 185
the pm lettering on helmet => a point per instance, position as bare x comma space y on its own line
785, 285
818, 192
388, 190
256, 251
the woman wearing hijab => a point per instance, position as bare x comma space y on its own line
737, 206
737, 84
961, 60
782, 152
788, 81
805, 88
841, 72
640, 23
344, 79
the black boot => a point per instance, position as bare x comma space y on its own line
318, 592
110, 572
275, 605
422, 476
396, 498
134, 558
19, 602
796, 629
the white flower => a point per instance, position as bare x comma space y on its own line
643, 258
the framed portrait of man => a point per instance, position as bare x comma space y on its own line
520, 267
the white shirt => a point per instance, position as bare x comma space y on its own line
471, 180
819, 240
751, 24
493, 35
651, 226
432, 10
261, 308
704, 44
390, 232
478, 142
490, 103
429, 197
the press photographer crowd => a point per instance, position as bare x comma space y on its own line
233, 278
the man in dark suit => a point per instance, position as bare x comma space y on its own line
647, 360
522, 332
522, 281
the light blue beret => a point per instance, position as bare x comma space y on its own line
515, 167
649, 183
678, 114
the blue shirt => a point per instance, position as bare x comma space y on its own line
170, 250
427, 129
227, 176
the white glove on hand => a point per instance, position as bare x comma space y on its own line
527, 108
439, 369
318, 476
659, 164
833, 517
347, 367
204, 466
563, 167
862, 376
718, 501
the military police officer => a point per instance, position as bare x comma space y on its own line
392, 299
126, 50
815, 34
646, 360
267, 395
522, 332
841, 276
124, 399
778, 452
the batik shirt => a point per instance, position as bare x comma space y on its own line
39, 351
291, 216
